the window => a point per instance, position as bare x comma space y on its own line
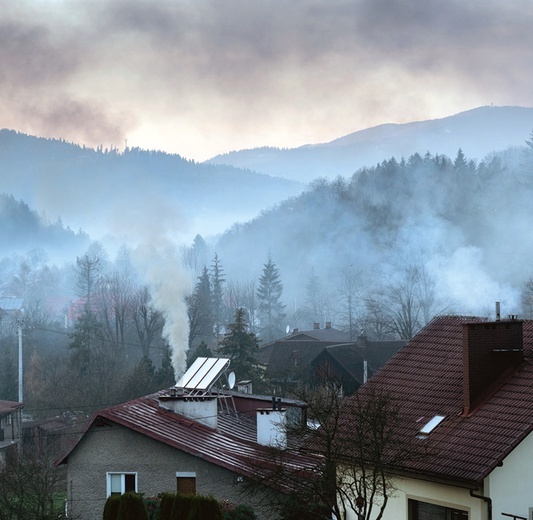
186, 483
424, 511
119, 483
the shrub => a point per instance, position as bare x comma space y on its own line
131, 507
166, 506
111, 507
241, 512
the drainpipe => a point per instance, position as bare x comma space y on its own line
488, 500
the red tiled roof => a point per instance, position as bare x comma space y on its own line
231, 446
426, 379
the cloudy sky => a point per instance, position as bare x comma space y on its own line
201, 77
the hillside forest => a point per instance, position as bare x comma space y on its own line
379, 253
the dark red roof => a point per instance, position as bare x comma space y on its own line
232, 446
426, 379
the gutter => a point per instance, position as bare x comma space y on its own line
488, 500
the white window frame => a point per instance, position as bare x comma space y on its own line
122, 481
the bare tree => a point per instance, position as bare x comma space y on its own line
29, 485
114, 303
88, 270
354, 442
148, 321
348, 287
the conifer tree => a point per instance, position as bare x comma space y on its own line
241, 347
217, 293
270, 308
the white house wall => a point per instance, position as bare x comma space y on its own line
442, 495
511, 485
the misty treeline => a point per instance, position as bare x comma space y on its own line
378, 253
388, 248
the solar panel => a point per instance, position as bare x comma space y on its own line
203, 373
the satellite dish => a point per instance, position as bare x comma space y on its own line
288, 329
231, 380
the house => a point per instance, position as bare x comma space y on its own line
194, 437
464, 387
10, 429
10, 309
305, 355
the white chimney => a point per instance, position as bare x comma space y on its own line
200, 409
271, 430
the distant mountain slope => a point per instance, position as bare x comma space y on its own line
136, 193
478, 132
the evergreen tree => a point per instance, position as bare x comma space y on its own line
241, 347
270, 309
529, 141
166, 376
199, 308
217, 293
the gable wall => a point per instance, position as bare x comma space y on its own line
511, 485
423, 491
118, 449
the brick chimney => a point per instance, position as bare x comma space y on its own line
491, 351
316, 325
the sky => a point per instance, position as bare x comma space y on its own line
204, 77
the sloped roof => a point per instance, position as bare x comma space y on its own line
286, 357
231, 446
9, 406
351, 355
426, 379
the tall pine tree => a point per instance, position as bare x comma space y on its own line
217, 293
241, 347
270, 308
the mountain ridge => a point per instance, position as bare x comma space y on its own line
478, 132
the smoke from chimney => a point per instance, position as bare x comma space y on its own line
169, 284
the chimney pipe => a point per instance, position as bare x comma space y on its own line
316, 325
497, 311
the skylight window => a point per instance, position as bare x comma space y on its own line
431, 425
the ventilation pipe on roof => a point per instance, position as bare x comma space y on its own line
497, 311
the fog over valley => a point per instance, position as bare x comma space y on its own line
175, 247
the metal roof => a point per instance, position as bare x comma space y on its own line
232, 445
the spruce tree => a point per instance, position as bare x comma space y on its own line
217, 293
241, 347
270, 308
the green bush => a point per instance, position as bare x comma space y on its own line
241, 512
182, 507
131, 507
166, 506
111, 507
205, 507
152, 506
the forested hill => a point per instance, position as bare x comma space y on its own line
23, 230
478, 132
465, 225
132, 191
